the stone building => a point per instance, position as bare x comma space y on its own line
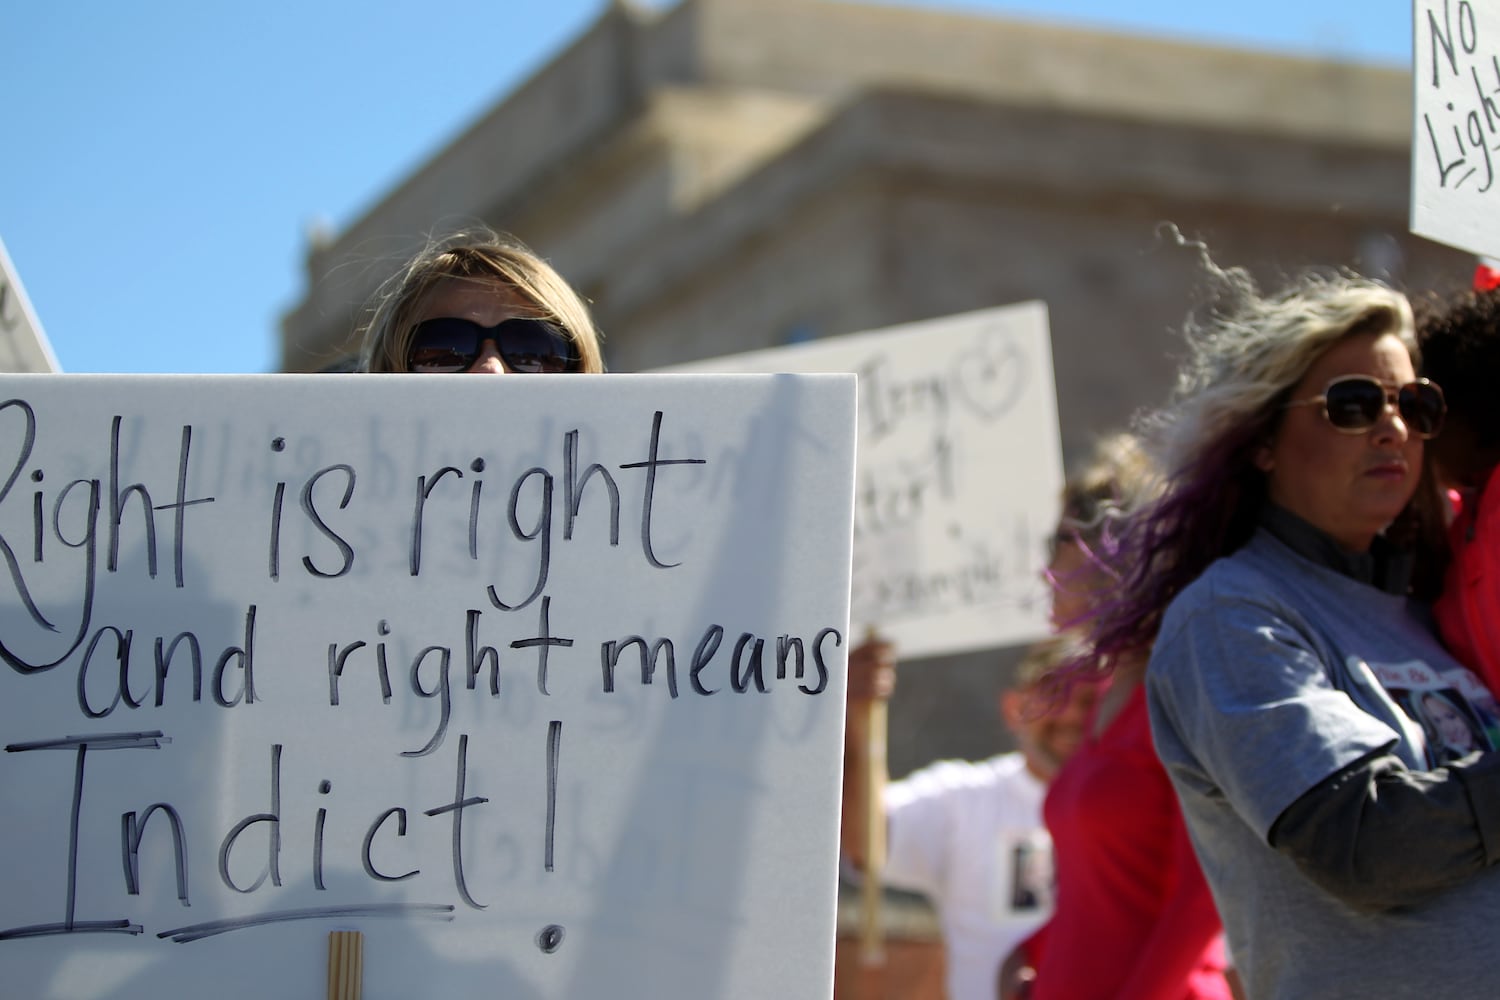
725, 175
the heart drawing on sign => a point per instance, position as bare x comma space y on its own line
990, 374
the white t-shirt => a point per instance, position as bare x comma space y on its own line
970, 837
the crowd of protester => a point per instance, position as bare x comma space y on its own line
1281, 590
1258, 757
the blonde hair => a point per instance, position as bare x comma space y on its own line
1119, 477
483, 256
1248, 351
1041, 659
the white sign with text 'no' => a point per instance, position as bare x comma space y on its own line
1456, 129
537, 681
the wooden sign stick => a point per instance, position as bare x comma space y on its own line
872, 946
346, 965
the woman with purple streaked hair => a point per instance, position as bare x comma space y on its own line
1134, 916
1275, 581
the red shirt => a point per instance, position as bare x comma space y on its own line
1468, 613
1134, 917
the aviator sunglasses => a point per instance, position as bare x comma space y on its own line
450, 344
1354, 403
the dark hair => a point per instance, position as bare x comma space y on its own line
1460, 342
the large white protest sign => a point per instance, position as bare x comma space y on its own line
1456, 132
23, 345
536, 681
958, 476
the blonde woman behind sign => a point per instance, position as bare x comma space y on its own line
479, 302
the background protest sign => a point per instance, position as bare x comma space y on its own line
23, 346
959, 472
1456, 126
538, 682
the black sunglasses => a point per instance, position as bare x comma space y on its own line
450, 344
1354, 403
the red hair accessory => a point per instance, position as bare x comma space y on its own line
1486, 277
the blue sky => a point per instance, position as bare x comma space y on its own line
161, 162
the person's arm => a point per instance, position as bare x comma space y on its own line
1378, 835
871, 677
